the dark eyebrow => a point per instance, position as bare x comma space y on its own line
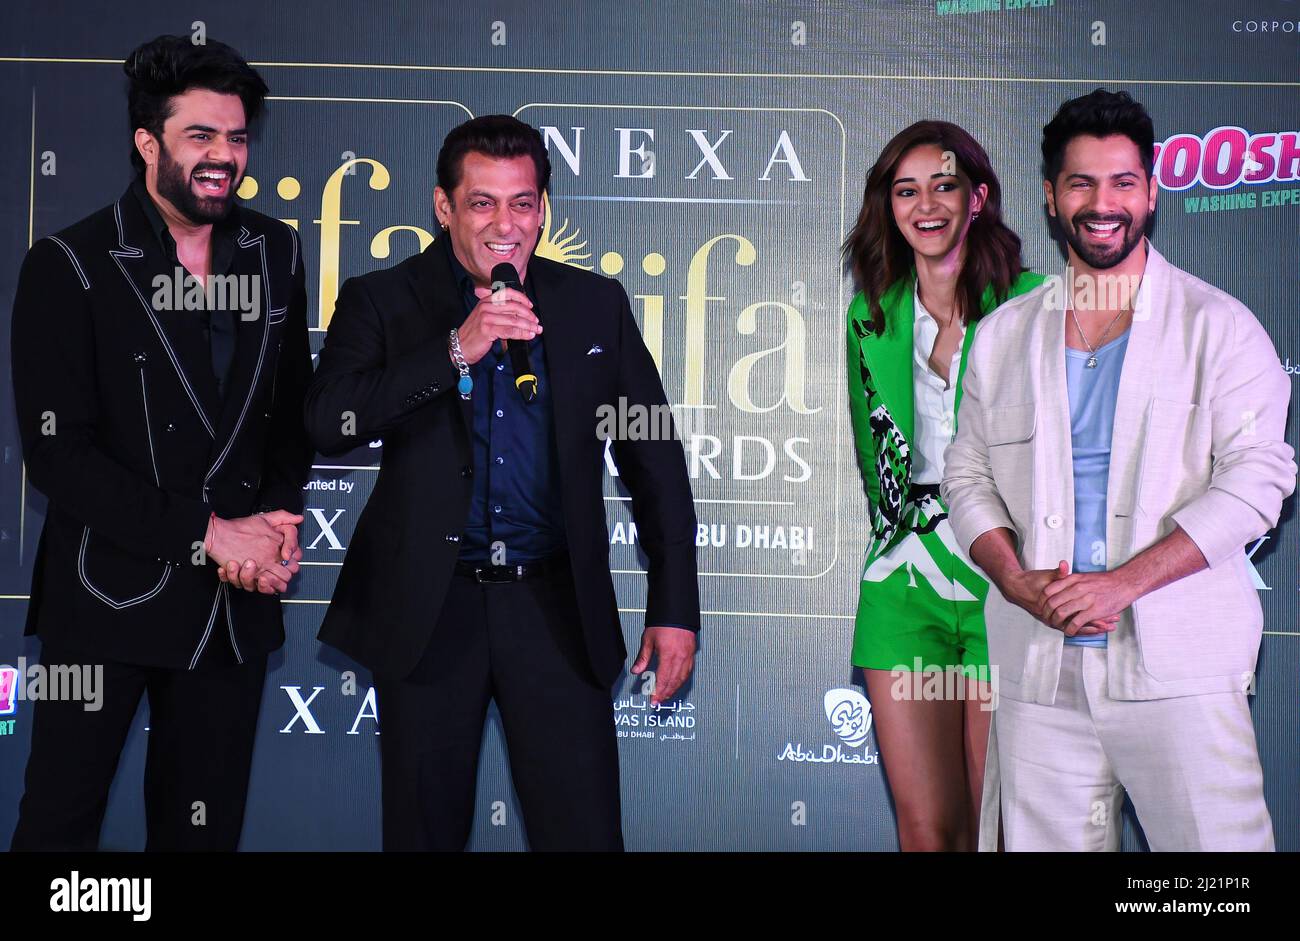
933, 176
531, 194
1092, 179
213, 130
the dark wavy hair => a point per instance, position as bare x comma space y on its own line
1099, 113
877, 253
495, 135
169, 66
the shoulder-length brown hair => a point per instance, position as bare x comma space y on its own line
877, 253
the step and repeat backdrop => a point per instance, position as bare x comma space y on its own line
711, 157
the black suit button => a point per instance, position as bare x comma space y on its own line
437, 386
170, 427
452, 537
140, 358
246, 485
467, 472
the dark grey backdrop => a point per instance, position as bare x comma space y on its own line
738, 287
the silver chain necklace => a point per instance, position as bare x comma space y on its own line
1092, 359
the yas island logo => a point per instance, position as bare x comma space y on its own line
849, 715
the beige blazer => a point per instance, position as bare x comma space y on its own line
1197, 443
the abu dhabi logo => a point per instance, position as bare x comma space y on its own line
849, 714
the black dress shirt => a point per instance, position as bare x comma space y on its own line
217, 324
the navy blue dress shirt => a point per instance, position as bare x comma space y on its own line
516, 495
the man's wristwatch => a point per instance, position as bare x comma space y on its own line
466, 384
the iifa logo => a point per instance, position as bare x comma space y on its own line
1227, 156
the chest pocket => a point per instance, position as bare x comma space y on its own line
1009, 433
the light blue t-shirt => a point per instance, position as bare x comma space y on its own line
1092, 418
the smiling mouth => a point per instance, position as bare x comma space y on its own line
502, 249
930, 226
1103, 230
212, 182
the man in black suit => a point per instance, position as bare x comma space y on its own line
479, 569
160, 360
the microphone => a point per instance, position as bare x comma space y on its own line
504, 275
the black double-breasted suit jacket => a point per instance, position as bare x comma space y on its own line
385, 363
124, 432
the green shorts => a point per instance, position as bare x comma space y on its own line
921, 602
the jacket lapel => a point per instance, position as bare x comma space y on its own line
1137, 377
140, 261
1053, 393
436, 290
251, 338
561, 347
889, 356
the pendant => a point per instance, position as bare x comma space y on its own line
464, 386
1092, 362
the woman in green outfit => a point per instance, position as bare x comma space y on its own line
932, 255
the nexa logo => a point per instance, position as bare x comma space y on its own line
326, 528
303, 717
635, 155
1254, 572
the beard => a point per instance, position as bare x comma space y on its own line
174, 186
1102, 257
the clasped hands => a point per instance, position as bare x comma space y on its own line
256, 553
1077, 604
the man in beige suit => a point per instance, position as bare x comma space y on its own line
1128, 417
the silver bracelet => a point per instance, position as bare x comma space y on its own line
466, 384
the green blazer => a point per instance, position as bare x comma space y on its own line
882, 396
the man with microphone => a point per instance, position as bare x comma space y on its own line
479, 569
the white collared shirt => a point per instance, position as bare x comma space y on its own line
935, 413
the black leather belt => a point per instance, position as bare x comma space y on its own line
495, 574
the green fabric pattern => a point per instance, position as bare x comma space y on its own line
881, 403
919, 596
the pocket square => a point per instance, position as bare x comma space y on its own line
595, 348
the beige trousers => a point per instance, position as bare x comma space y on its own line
1189, 764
